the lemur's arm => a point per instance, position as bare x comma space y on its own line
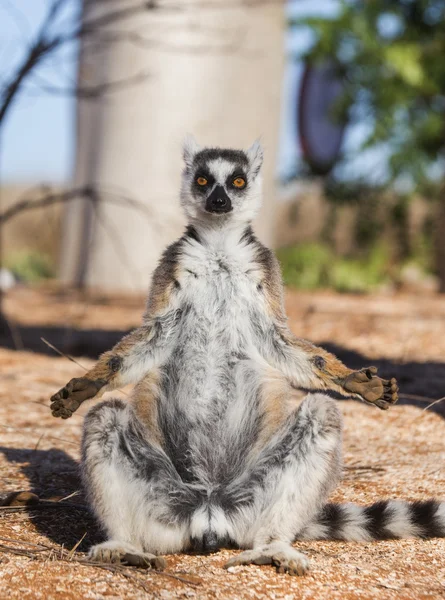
305, 365
127, 362
312, 368
137, 352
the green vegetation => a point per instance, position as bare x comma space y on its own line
313, 265
306, 265
30, 266
390, 56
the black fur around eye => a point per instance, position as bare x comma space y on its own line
202, 181
239, 183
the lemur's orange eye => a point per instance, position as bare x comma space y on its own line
201, 181
239, 182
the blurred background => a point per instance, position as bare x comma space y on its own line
349, 101
96, 97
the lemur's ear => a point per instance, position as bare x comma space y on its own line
255, 155
189, 149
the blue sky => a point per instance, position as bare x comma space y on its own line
38, 137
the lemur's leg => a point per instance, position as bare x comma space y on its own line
135, 491
286, 486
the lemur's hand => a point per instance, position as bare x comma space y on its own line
69, 398
373, 389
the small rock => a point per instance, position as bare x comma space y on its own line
7, 279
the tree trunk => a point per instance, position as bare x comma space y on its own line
215, 72
440, 240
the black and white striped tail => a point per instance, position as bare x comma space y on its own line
387, 519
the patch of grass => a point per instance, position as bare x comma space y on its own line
306, 266
361, 275
30, 266
312, 266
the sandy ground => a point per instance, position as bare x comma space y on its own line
398, 454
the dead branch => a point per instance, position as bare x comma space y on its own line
43, 552
37, 51
26, 430
92, 91
45, 43
89, 192
433, 403
142, 41
44, 505
70, 358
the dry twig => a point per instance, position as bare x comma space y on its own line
44, 552
63, 354
72, 360
43, 505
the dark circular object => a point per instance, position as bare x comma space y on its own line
115, 363
319, 135
319, 362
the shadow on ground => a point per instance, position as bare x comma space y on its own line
53, 474
77, 342
415, 378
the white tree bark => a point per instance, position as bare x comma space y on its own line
215, 72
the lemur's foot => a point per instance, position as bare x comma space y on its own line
18, 499
123, 553
69, 398
280, 554
373, 389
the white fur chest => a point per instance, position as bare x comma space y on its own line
220, 281
218, 294
209, 375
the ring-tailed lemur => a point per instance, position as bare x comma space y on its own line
214, 448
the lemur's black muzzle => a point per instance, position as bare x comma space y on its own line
218, 201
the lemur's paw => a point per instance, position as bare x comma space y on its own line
373, 389
18, 499
123, 553
69, 398
280, 554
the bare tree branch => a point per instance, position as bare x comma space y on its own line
45, 43
93, 91
11, 89
37, 51
90, 192
141, 41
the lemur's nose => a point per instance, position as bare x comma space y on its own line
218, 201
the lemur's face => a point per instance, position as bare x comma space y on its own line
221, 183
